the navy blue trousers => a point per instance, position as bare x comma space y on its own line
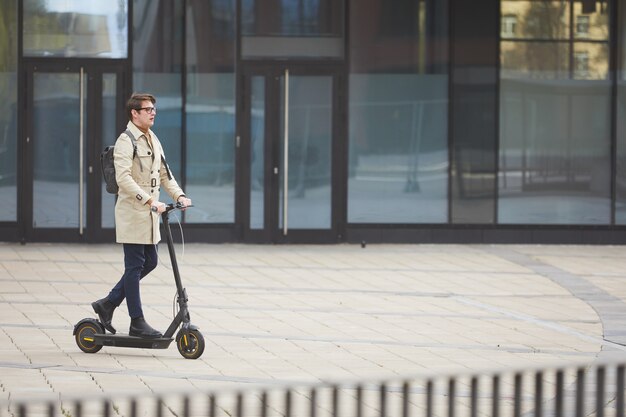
139, 261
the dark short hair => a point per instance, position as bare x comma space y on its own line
135, 101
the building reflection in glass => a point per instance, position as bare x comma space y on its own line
398, 112
8, 110
555, 113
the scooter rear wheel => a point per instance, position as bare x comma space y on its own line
190, 344
84, 337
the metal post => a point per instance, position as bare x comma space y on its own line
539, 394
558, 400
600, 391
580, 392
359, 401
264, 404
106, 409
474, 397
159, 407
212, 405
335, 405
383, 400
619, 395
239, 410
133, 408
186, 412
495, 400
429, 398
313, 402
451, 396
288, 403
406, 390
517, 396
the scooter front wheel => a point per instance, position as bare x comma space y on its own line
190, 344
84, 336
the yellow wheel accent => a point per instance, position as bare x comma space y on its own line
190, 344
85, 339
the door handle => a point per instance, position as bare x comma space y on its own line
286, 157
275, 170
81, 160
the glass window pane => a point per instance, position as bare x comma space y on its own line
554, 162
591, 20
535, 19
591, 61
75, 28
56, 137
157, 58
8, 110
398, 113
620, 180
309, 150
283, 28
292, 17
257, 156
210, 111
210, 148
537, 60
109, 135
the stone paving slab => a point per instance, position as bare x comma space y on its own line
306, 313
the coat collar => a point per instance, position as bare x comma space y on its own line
136, 132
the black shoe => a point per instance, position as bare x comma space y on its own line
140, 328
104, 309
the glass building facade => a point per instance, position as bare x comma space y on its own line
555, 113
323, 120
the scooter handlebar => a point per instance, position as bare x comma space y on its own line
172, 206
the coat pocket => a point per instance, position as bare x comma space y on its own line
142, 166
140, 205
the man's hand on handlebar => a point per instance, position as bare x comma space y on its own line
157, 207
184, 201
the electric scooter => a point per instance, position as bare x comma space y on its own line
90, 334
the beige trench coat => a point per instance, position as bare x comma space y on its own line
139, 179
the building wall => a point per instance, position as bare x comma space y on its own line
501, 120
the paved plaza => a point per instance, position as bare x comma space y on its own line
305, 313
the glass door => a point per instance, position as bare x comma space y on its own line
289, 129
73, 111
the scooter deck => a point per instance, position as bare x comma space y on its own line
124, 340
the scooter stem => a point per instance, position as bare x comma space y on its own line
170, 247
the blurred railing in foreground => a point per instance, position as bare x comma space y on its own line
568, 391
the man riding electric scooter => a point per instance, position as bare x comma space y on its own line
140, 172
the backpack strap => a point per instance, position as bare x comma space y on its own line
167, 168
133, 140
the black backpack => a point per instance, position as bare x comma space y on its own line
108, 166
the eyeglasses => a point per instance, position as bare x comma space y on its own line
148, 110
